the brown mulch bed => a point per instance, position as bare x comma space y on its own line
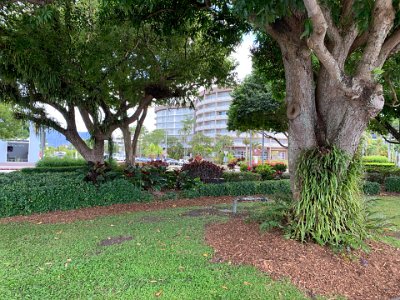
93, 212
314, 269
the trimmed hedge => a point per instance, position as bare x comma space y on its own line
379, 172
379, 165
51, 162
375, 159
392, 184
243, 188
371, 188
241, 176
55, 169
22, 194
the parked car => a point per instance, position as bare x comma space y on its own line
142, 159
172, 161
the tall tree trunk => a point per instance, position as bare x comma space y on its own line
136, 135
301, 110
126, 133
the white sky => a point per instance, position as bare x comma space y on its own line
241, 55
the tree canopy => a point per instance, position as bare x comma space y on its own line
254, 108
11, 128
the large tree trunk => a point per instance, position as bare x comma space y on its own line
301, 109
95, 154
126, 133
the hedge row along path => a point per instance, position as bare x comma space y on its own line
115, 209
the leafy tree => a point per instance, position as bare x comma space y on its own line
254, 108
186, 131
156, 137
222, 143
10, 128
175, 148
332, 54
201, 145
153, 150
78, 59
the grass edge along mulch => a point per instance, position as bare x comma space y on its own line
89, 213
312, 268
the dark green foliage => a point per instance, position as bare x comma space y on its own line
375, 177
254, 108
155, 176
375, 159
378, 172
281, 167
22, 194
81, 169
185, 182
240, 176
51, 162
239, 188
203, 169
276, 214
150, 176
392, 184
100, 172
371, 188
329, 209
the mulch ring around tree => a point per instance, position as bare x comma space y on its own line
98, 211
314, 269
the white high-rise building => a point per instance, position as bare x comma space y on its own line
211, 117
171, 119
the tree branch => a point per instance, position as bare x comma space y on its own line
382, 22
86, 119
390, 141
317, 44
39, 117
275, 139
390, 47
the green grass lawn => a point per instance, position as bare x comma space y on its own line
167, 258
389, 206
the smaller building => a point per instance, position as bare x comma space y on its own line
20, 152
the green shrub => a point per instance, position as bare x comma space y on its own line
265, 170
375, 159
280, 167
239, 189
378, 172
379, 164
371, 188
243, 167
51, 162
81, 169
375, 177
392, 184
241, 176
22, 194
